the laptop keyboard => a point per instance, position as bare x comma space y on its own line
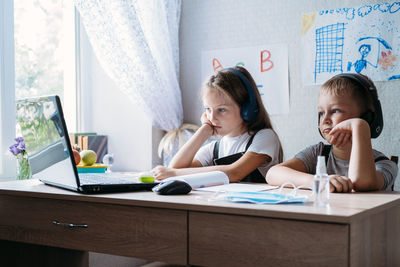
92, 178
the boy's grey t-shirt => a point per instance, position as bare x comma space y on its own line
338, 166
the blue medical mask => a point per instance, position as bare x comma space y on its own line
266, 197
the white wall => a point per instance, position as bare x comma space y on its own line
106, 110
211, 24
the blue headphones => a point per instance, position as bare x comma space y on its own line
374, 119
249, 109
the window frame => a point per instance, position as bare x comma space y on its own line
7, 89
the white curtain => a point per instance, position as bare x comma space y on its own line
137, 44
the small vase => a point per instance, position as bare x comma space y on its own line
23, 168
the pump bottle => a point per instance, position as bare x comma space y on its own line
321, 184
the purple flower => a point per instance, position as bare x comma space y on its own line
18, 147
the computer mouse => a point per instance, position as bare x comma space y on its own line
172, 187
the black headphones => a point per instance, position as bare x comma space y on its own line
374, 119
249, 109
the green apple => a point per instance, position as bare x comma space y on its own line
88, 157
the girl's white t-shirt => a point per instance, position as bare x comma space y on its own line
264, 142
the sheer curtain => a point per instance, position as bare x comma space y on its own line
137, 44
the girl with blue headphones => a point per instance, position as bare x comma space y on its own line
248, 146
349, 115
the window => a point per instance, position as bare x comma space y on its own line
44, 40
42, 34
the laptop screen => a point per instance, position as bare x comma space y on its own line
44, 131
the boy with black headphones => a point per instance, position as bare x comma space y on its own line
349, 115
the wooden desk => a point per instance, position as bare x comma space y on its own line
359, 229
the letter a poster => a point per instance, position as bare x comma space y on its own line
268, 64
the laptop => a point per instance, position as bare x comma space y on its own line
50, 156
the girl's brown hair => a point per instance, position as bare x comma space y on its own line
230, 83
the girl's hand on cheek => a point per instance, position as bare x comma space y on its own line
204, 118
340, 184
205, 121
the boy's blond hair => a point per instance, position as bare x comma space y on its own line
339, 86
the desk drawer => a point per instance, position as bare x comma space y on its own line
230, 240
148, 233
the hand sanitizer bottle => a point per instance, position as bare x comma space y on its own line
321, 184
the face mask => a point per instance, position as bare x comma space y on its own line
266, 197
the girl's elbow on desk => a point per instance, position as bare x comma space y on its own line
233, 174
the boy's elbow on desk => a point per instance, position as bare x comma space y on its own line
361, 184
272, 174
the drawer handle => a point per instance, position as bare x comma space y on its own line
70, 225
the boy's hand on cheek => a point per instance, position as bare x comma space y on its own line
340, 184
340, 135
339, 139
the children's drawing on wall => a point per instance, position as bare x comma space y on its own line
268, 64
364, 39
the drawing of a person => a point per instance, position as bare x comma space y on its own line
361, 64
365, 50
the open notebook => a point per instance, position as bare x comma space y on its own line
50, 154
